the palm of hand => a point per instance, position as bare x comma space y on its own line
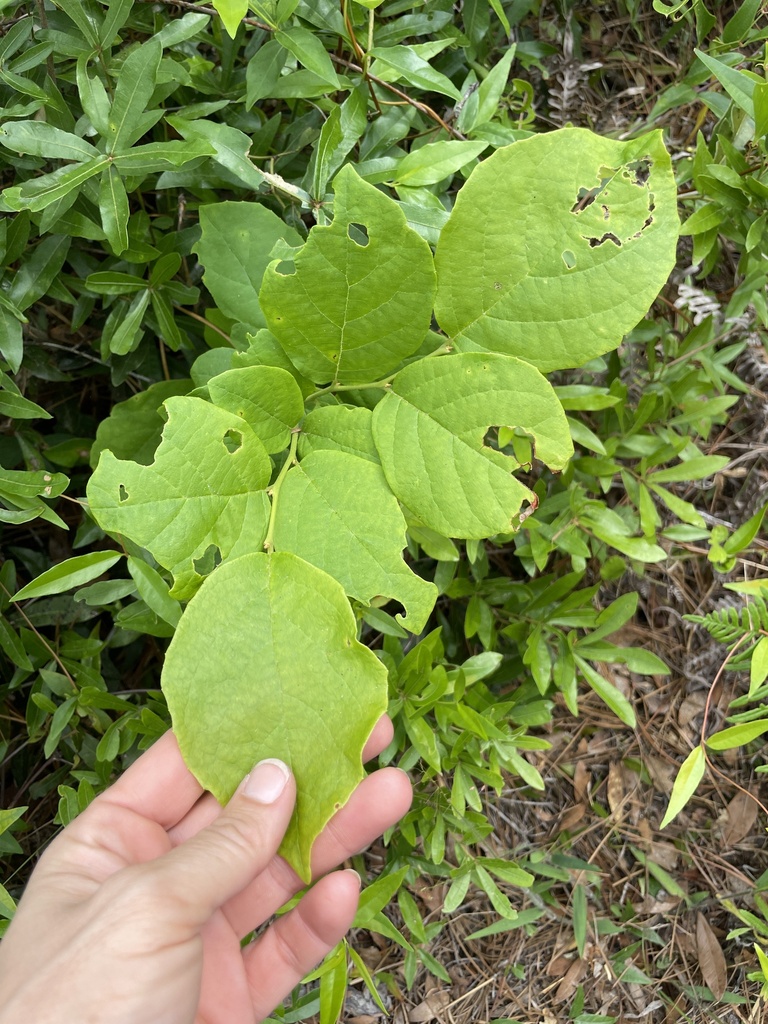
115, 925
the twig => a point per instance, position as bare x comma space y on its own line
196, 316
209, 11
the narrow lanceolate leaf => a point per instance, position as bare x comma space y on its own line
38, 193
234, 248
352, 310
758, 666
114, 209
202, 498
231, 13
73, 572
738, 735
41, 139
430, 430
135, 85
266, 397
688, 778
336, 511
556, 267
608, 693
249, 693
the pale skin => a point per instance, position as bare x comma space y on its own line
136, 910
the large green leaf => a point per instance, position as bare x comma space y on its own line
234, 248
265, 657
430, 430
266, 397
557, 246
336, 511
351, 311
345, 428
204, 491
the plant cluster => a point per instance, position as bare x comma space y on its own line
280, 285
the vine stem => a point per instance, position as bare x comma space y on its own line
385, 382
274, 490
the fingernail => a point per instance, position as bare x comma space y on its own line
267, 781
351, 871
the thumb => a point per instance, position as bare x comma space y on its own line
223, 858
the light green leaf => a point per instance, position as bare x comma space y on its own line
127, 334
324, 684
161, 156
41, 139
231, 147
263, 71
11, 340
231, 13
429, 432
435, 161
340, 133
234, 248
608, 693
407, 64
8, 815
153, 590
73, 572
336, 511
32, 483
38, 193
134, 427
204, 491
738, 735
93, 97
114, 209
758, 666
135, 85
528, 266
345, 428
688, 778
16, 407
697, 468
266, 397
492, 88
308, 50
741, 538
352, 311
739, 86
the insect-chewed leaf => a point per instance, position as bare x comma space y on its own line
556, 246
204, 491
345, 428
430, 430
266, 397
336, 511
354, 306
265, 663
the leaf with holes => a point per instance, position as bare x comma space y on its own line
203, 495
430, 428
556, 247
266, 397
353, 307
337, 512
300, 674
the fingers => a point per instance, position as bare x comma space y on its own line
158, 785
296, 942
221, 860
377, 803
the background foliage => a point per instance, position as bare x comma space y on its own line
104, 313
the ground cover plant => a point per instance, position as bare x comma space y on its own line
209, 213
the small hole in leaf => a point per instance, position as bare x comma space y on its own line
607, 237
585, 197
285, 268
207, 562
569, 259
606, 212
233, 441
359, 234
122, 494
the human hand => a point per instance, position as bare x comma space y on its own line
135, 912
